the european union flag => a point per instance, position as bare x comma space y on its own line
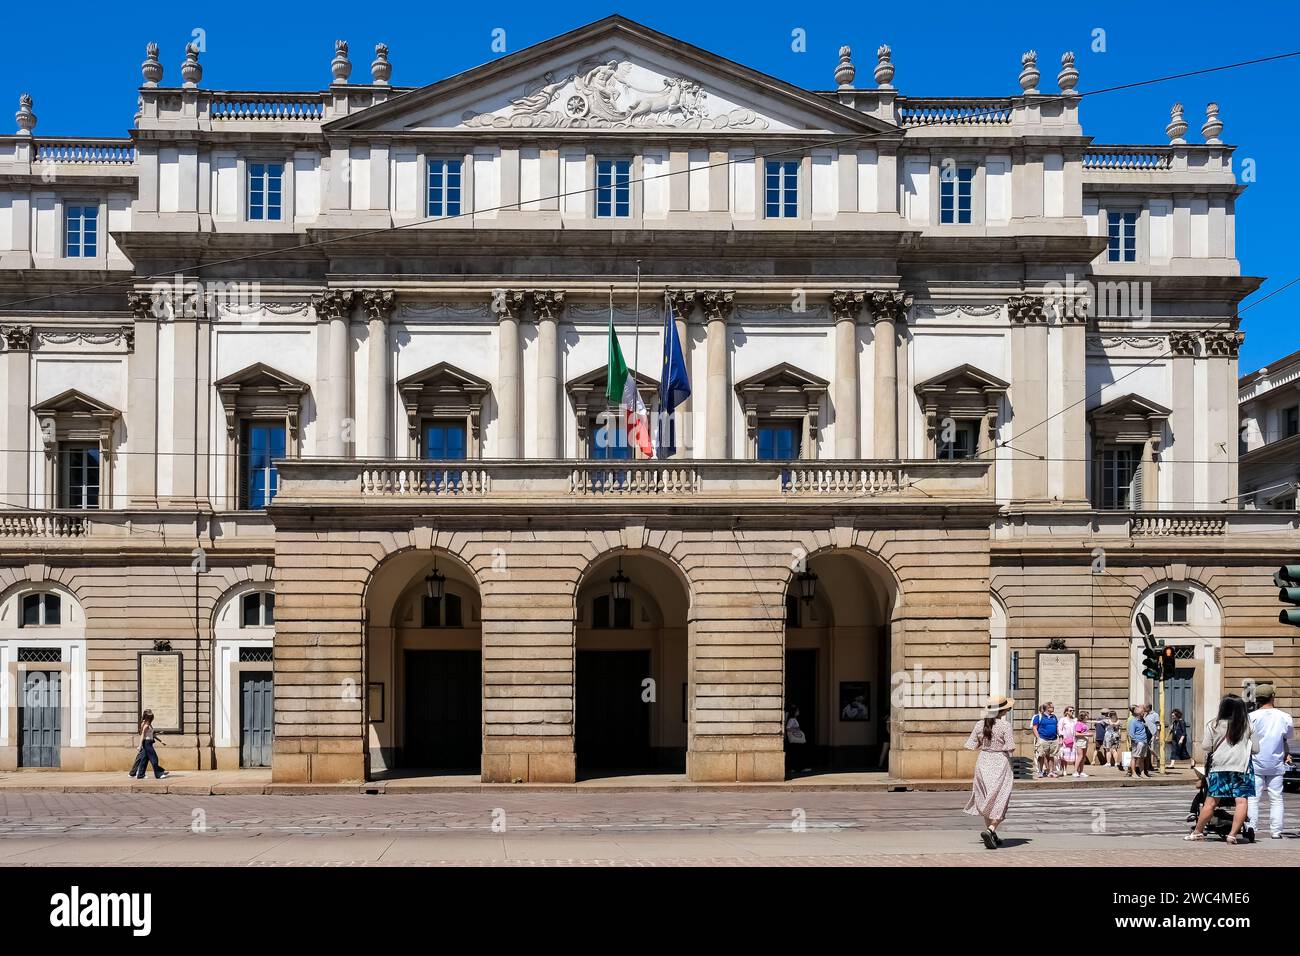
674, 384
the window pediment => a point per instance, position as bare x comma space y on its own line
1129, 418
587, 393
443, 391
782, 391
75, 416
263, 391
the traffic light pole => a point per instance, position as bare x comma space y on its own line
1161, 761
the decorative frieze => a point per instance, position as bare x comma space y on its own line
124, 335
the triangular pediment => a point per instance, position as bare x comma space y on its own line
612, 74
1131, 406
443, 377
783, 377
594, 381
261, 377
963, 378
73, 402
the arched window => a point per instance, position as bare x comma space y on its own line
608, 611
257, 609
441, 612
43, 609
1171, 607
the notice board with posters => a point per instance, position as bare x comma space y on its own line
160, 682
1058, 679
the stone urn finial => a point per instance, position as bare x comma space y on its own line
381, 70
1177, 128
25, 118
1068, 78
151, 69
884, 67
1212, 126
341, 66
191, 71
845, 71
1029, 75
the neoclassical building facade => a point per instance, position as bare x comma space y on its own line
306, 437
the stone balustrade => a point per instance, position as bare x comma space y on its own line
271, 107
1186, 525
39, 524
1121, 158
86, 151
954, 111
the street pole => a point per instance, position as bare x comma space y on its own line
1160, 743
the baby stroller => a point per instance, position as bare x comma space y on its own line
1220, 822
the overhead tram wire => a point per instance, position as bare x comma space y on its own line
855, 138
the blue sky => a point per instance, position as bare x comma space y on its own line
81, 62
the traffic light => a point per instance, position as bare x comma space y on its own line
1167, 663
1151, 664
1287, 580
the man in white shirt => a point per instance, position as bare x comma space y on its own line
1272, 728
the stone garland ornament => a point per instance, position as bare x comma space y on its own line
275, 308
600, 96
963, 310
125, 335
428, 310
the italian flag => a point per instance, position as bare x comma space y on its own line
620, 388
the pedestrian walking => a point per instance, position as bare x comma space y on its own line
1139, 742
1099, 728
1177, 739
1272, 728
795, 740
1067, 755
1114, 740
991, 784
1152, 720
147, 755
1229, 744
1046, 731
1081, 731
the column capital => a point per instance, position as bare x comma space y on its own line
846, 305
1072, 308
508, 303
334, 304
1027, 309
1182, 343
141, 305
682, 302
547, 303
716, 303
1223, 343
889, 306
18, 338
378, 303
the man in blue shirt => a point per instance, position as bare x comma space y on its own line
1046, 745
1140, 739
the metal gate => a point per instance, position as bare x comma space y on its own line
38, 720
257, 718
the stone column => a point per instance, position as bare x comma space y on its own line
378, 305
547, 306
16, 418
335, 308
1182, 421
717, 308
142, 406
1221, 348
1028, 397
508, 305
845, 307
683, 303
887, 308
1073, 313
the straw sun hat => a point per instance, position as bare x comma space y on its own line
997, 706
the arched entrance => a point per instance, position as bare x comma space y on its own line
837, 664
424, 666
631, 667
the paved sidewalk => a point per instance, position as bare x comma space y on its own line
253, 782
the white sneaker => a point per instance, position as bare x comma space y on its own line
1277, 836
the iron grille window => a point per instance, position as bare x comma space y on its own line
1184, 652
40, 655
256, 655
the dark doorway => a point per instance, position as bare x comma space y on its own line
801, 692
257, 718
38, 720
1180, 694
613, 721
444, 713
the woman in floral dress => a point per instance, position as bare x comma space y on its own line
991, 787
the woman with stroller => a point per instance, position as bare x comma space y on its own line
1229, 744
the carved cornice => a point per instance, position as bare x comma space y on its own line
1182, 343
378, 303
18, 338
547, 303
1222, 343
890, 306
1027, 309
334, 304
717, 304
846, 305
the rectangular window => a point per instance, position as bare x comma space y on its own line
600, 612
1122, 235
609, 438
79, 476
444, 188
782, 192
1171, 607
1291, 421
959, 441
613, 188
778, 442
1119, 471
262, 444
441, 612
80, 231
444, 441
1285, 504
264, 191
955, 185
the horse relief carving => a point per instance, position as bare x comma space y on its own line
600, 95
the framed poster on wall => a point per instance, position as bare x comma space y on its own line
1057, 674
160, 684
